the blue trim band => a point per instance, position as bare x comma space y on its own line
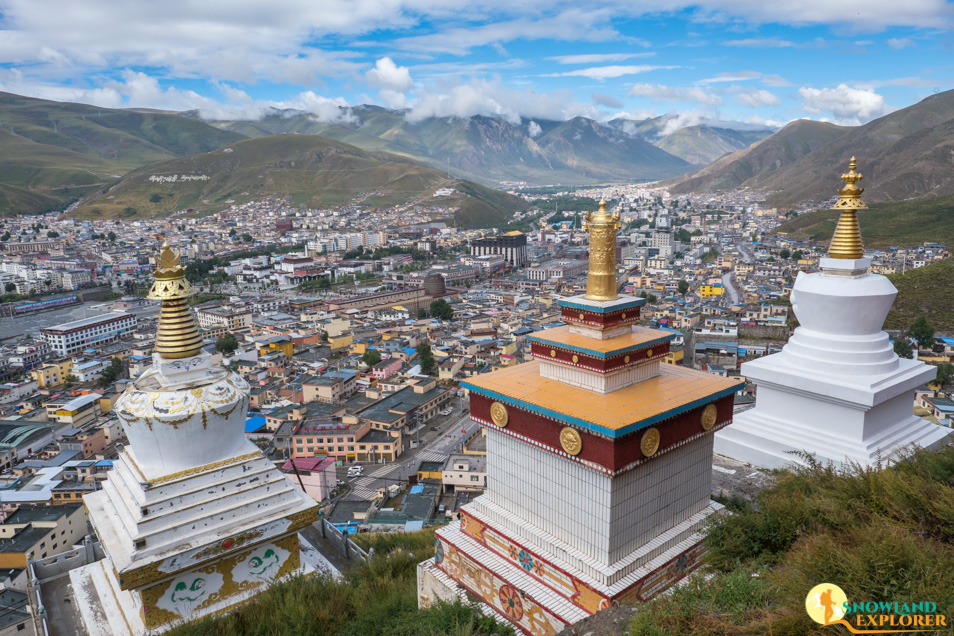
593, 309
603, 355
596, 428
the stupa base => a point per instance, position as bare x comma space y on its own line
542, 594
108, 610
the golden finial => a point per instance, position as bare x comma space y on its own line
846, 243
601, 277
167, 259
178, 333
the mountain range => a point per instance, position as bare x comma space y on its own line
906, 154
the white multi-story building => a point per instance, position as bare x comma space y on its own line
70, 337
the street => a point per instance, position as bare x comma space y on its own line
435, 446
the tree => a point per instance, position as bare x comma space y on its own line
232, 232
155, 197
247, 238
111, 236
903, 347
425, 357
651, 298
440, 308
53, 234
797, 255
371, 357
683, 286
10, 288
227, 344
5, 237
784, 254
112, 372
945, 373
69, 380
923, 332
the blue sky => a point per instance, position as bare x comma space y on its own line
742, 60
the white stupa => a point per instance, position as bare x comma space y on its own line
837, 390
193, 518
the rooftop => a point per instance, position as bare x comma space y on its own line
87, 322
674, 391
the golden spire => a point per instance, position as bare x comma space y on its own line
178, 333
846, 243
601, 278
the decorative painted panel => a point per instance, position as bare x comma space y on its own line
519, 608
195, 590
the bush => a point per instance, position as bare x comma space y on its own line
376, 598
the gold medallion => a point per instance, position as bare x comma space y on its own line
649, 444
626, 359
582, 316
576, 358
649, 353
571, 441
709, 415
499, 415
552, 353
623, 315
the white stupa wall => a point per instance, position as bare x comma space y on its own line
836, 391
604, 519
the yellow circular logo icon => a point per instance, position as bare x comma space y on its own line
825, 603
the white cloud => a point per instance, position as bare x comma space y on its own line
605, 72
844, 104
900, 43
388, 75
758, 98
739, 76
761, 43
534, 130
493, 99
658, 92
609, 101
598, 58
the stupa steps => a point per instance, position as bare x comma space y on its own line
575, 561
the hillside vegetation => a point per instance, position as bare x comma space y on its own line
378, 598
880, 535
926, 291
886, 224
59, 148
312, 170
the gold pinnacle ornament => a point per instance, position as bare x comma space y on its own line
601, 278
178, 333
846, 244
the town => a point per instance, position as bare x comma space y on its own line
354, 328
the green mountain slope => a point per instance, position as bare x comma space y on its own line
926, 291
55, 146
22, 201
902, 155
701, 145
885, 224
756, 164
312, 170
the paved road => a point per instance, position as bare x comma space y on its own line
20, 325
730, 287
435, 446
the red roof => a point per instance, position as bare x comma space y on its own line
309, 463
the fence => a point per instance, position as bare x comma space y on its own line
341, 541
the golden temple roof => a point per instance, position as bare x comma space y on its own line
674, 391
846, 243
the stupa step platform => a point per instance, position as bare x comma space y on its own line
761, 439
106, 610
674, 391
532, 606
500, 530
